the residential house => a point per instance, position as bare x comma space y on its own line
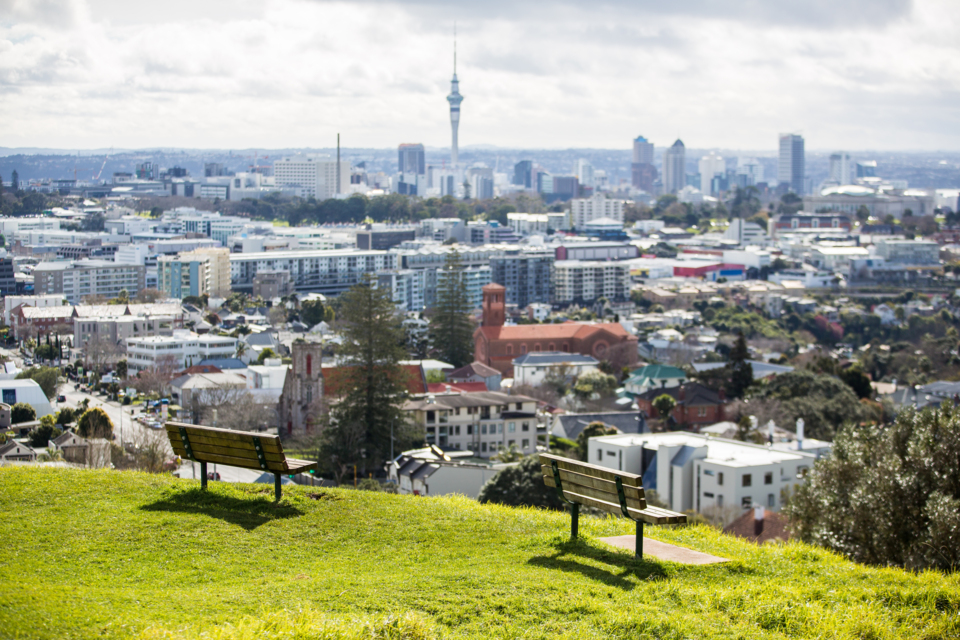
476, 372
695, 403
654, 376
569, 425
533, 368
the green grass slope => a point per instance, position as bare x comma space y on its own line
107, 554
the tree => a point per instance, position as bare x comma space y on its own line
66, 416
95, 423
22, 412
594, 382
312, 312
242, 348
521, 486
46, 377
266, 353
664, 405
887, 495
122, 369
372, 382
857, 380
741, 371
824, 402
592, 430
451, 331
41, 436
99, 352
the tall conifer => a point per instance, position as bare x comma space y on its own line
451, 331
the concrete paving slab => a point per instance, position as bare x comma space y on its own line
664, 551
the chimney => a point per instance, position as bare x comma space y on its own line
771, 426
799, 434
758, 513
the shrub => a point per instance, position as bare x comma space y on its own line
521, 485
22, 412
95, 423
66, 416
41, 436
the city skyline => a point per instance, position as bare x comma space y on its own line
292, 73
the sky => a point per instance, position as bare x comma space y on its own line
846, 74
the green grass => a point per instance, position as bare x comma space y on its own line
108, 554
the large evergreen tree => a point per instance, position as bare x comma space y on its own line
371, 383
451, 331
741, 371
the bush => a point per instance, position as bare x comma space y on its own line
887, 495
66, 416
46, 377
95, 423
521, 485
369, 484
824, 402
127, 400
40, 437
22, 412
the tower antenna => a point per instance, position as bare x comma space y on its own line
454, 48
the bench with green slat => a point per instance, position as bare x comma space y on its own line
580, 483
233, 448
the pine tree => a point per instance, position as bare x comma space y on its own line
372, 384
741, 371
451, 331
15, 181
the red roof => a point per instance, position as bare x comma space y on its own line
414, 378
444, 387
566, 330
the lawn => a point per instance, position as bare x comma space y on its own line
110, 554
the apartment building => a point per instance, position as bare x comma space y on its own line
583, 210
526, 273
914, 252
326, 272
483, 422
11, 302
181, 350
691, 471
312, 176
219, 268
582, 282
181, 276
78, 279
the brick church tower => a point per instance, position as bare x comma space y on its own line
494, 305
302, 389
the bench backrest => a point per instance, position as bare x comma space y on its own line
224, 446
593, 486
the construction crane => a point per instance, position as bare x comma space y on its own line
105, 158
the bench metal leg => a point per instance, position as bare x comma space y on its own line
203, 475
574, 520
639, 545
276, 487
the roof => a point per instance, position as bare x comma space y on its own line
473, 399
772, 526
208, 381
223, 363
200, 368
473, 369
655, 372
694, 395
730, 453
760, 369
565, 330
450, 387
574, 423
552, 357
40, 313
414, 379
69, 439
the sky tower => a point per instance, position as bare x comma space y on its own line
454, 99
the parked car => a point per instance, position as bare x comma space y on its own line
61, 398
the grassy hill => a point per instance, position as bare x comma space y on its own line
107, 554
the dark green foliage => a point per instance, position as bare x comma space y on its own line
888, 495
40, 437
121, 369
46, 377
664, 405
66, 416
735, 320
451, 331
857, 380
521, 486
95, 423
22, 412
824, 402
46, 352
741, 371
592, 430
266, 353
312, 312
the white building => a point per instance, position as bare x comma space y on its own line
745, 232
584, 281
78, 279
185, 347
526, 224
533, 368
433, 472
312, 176
583, 210
28, 391
690, 471
711, 165
326, 272
909, 251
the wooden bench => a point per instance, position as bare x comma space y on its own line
233, 448
579, 483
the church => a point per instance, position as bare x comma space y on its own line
496, 345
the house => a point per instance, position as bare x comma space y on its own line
496, 345
434, 472
886, 313
569, 425
484, 422
90, 452
476, 372
691, 471
695, 403
193, 391
533, 368
654, 376
759, 525
14, 451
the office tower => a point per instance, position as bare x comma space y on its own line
643, 173
584, 172
412, 159
312, 176
791, 169
749, 172
675, 168
711, 165
840, 165
523, 174
867, 169
454, 99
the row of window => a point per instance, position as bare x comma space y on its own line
746, 479
746, 502
493, 429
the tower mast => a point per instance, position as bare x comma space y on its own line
454, 99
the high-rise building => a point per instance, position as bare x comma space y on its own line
584, 172
454, 99
312, 176
412, 159
867, 169
840, 168
791, 169
643, 173
711, 165
523, 174
675, 168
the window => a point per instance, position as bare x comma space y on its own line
720, 500
483, 429
523, 348
483, 447
526, 444
599, 454
512, 427
709, 472
519, 406
493, 446
509, 349
771, 500
10, 396
500, 428
309, 364
431, 416
526, 426
801, 471
747, 480
746, 502
702, 412
768, 477
720, 478
707, 494
469, 429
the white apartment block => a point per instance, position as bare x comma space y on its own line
326, 272
312, 176
12, 228
583, 281
219, 265
909, 251
583, 210
78, 279
182, 349
484, 422
690, 471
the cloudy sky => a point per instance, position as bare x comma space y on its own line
848, 74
